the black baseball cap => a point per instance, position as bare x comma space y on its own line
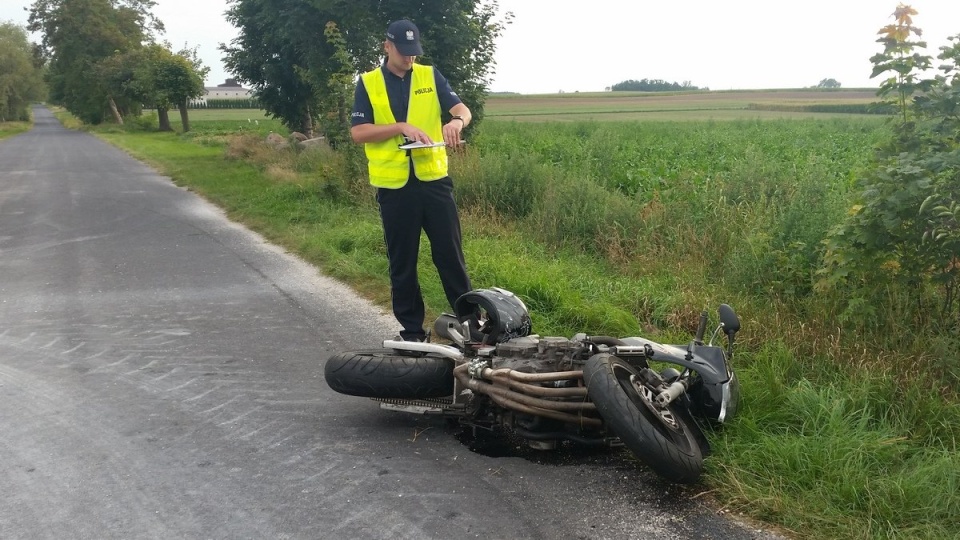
405, 36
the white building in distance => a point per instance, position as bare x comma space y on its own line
230, 89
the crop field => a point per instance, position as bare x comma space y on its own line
728, 105
621, 106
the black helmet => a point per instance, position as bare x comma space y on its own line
501, 314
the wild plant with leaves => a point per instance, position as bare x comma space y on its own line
901, 238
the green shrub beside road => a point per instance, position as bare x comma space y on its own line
604, 226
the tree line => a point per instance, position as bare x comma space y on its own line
103, 60
21, 74
653, 85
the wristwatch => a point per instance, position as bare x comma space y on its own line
460, 118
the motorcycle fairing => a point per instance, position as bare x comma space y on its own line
710, 362
717, 388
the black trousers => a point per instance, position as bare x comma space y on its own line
429, 207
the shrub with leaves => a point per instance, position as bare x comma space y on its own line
901, 236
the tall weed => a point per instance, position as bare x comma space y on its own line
509, 185
853, 450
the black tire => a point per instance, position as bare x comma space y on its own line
383, 373
667, 442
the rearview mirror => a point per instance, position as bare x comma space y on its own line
731, 323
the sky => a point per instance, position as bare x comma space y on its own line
569, 46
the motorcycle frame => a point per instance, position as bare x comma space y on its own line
511, 389
522, 392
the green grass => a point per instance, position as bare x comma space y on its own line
9, 129
208, 123
233, 115
847, 456
610, 227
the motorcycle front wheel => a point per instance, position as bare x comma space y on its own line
663, 438
383, 373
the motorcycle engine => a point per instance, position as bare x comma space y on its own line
533, 354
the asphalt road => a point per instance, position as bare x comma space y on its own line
161, 376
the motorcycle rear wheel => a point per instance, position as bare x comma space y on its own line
664, 439
383, 373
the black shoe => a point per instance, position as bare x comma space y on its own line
412, 337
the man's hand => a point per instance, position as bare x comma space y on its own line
452, 129
367, 133
451, 132
415, 134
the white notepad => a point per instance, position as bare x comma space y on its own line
418, 144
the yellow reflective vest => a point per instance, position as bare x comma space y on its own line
388, 165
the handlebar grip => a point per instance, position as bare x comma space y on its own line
702, 328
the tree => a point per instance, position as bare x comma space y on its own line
116, 74
180, 78
20, 77
903, 231
149, 74
159, 78
269, 55
828, 83
78, 35
458, 38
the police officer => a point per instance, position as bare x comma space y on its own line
401, 102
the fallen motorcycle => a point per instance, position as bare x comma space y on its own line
592, 390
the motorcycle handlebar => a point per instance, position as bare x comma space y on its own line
702, 328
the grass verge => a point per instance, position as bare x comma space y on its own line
9, 129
